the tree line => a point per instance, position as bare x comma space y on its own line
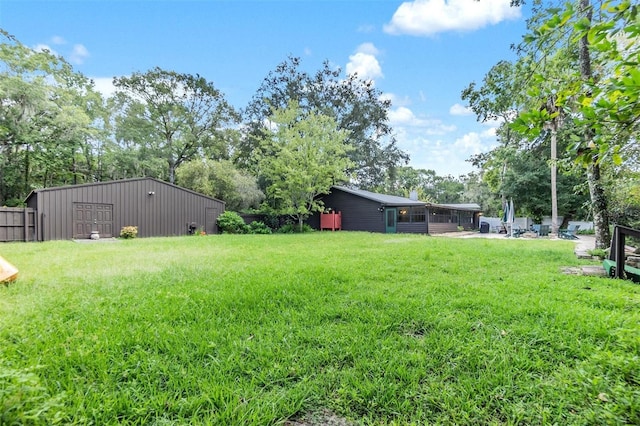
300, 133
568, 108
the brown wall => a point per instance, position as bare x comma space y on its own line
440, 228
157, 208
17, 224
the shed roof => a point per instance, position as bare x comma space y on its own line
111, 182
388, 200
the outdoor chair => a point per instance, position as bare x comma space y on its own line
569, 233
544, 231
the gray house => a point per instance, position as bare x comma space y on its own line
369, 211
157, 208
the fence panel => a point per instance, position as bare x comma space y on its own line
17, 224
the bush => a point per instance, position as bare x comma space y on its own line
591, 231
232, 223
128, 232
258, 227
291, 228
599, 253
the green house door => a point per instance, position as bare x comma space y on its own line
391, 220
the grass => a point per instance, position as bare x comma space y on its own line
259, 329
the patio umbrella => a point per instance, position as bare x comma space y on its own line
505, 212
511, 216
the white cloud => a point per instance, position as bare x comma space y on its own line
489, 133
78, 54
445, 156
403, 117
430, 17
364, 63
457, 109
434, 145
104, 85
58, 40
470, 143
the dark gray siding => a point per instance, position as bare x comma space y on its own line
155, 207
412, 228
358, 214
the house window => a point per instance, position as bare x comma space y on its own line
411, 214
403, 214
444, 216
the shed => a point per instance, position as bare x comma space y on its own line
157, 208
374, 212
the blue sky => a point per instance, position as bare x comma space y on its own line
421, 54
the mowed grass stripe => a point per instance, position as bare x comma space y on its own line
381, 329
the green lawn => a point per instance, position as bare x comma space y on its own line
261, 329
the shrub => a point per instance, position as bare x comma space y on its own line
291, 228
129, 232
599, 253
258, 227
591, 231
231, 223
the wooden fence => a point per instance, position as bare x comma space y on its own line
17, 224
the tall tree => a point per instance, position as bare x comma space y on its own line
601, 95
48, 116
355, 104
303, 156
427, 185
221, 179
175, 115
498, 99
598, 198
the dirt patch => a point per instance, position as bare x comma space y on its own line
319, 418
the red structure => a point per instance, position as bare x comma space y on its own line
332, 221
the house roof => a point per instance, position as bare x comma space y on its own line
469, 206
387, 200
393, 200
111, 182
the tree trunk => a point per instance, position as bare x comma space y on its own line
598, 207
27, 167
554, 187
172, 172
596, 191
553, 127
